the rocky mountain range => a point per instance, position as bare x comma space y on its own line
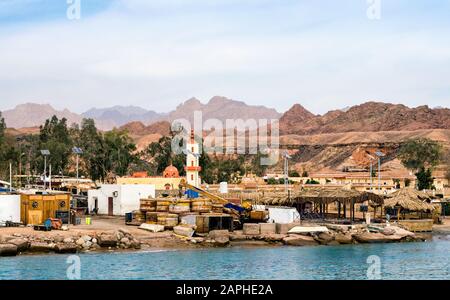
32, 115
117, 116
367, 117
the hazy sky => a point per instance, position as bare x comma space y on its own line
157, 53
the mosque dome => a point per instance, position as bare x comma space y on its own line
171, 172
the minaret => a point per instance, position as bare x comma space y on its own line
192, 162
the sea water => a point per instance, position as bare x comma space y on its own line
425, 260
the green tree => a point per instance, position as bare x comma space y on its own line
425, 179
312, 181
161, 156
54, 136
94, 153
119, 152
294, 174
421, 155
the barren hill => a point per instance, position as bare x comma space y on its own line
32, 115
367, 117
222, 108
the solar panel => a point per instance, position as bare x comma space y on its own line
380, 154
77, 150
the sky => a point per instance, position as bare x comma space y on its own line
323, 54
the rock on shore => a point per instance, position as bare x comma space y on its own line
8, 250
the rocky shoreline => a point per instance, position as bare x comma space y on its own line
123, 240
26, 244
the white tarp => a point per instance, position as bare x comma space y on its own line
308, 229
283, 215
9, 208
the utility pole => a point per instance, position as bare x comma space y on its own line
45, 153
379, 154
10, 177
45, 170
286, 171
77, 151
371, 159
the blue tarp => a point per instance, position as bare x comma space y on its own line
235, 207
191, 194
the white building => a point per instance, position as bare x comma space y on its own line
9, 208
118, 199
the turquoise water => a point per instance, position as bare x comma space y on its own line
430, 260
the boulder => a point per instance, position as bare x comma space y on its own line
237, 236
87, 244
338, 228
388, 231
40, 247
221, 241
274, 238
369, 237
6, 238
80, 242
342, 238
66, 248
68, 241
197, 240
125, 241
186, 231
94, 241
402, 232
299, 240
107, 240
251, 229
268, 228
22, 244
58, 239
324, 238
124, 231
136, 244
213, 234
8, 250
86, 238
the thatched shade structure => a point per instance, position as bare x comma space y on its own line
321, 195
409, 199
331, 195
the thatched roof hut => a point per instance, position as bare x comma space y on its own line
409, 199
321, 195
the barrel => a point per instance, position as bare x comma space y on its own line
181, 206
138, 216
151, 217
167, 219
201, 205
162, 205
171, 221
148, 205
